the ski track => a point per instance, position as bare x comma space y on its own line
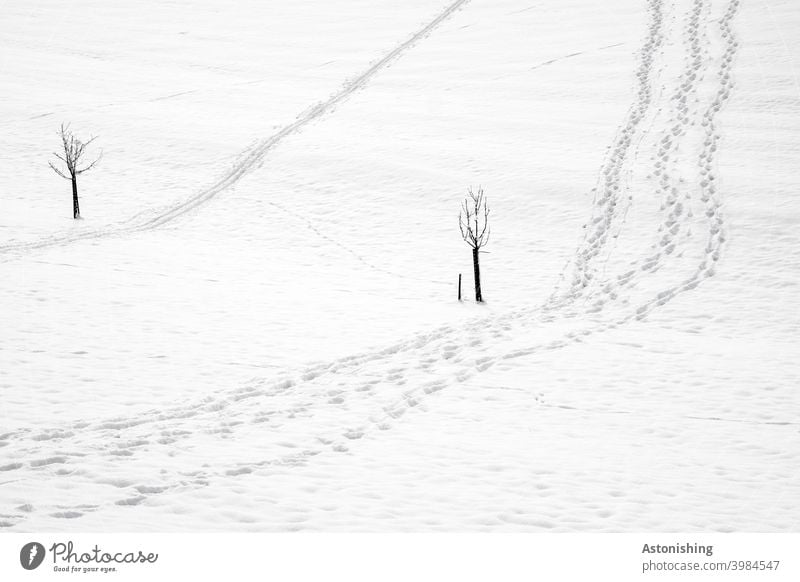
310, 225
332, 405
573, 55
561, 58
249, 159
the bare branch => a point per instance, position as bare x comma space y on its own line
57, 171
92, 165
473, 220
74, 150
60, 157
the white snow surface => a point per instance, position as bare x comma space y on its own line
255, 326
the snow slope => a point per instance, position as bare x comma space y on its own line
254, 327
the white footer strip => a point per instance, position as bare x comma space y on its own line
401, 557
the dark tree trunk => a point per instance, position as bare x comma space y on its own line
459, 286
478, 296
76, 211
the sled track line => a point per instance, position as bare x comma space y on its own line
250, 158
310, 225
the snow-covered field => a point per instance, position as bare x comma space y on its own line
255, 325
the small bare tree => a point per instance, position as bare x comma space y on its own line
72, 158
473, 220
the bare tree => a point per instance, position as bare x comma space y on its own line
473, 220
72, 158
